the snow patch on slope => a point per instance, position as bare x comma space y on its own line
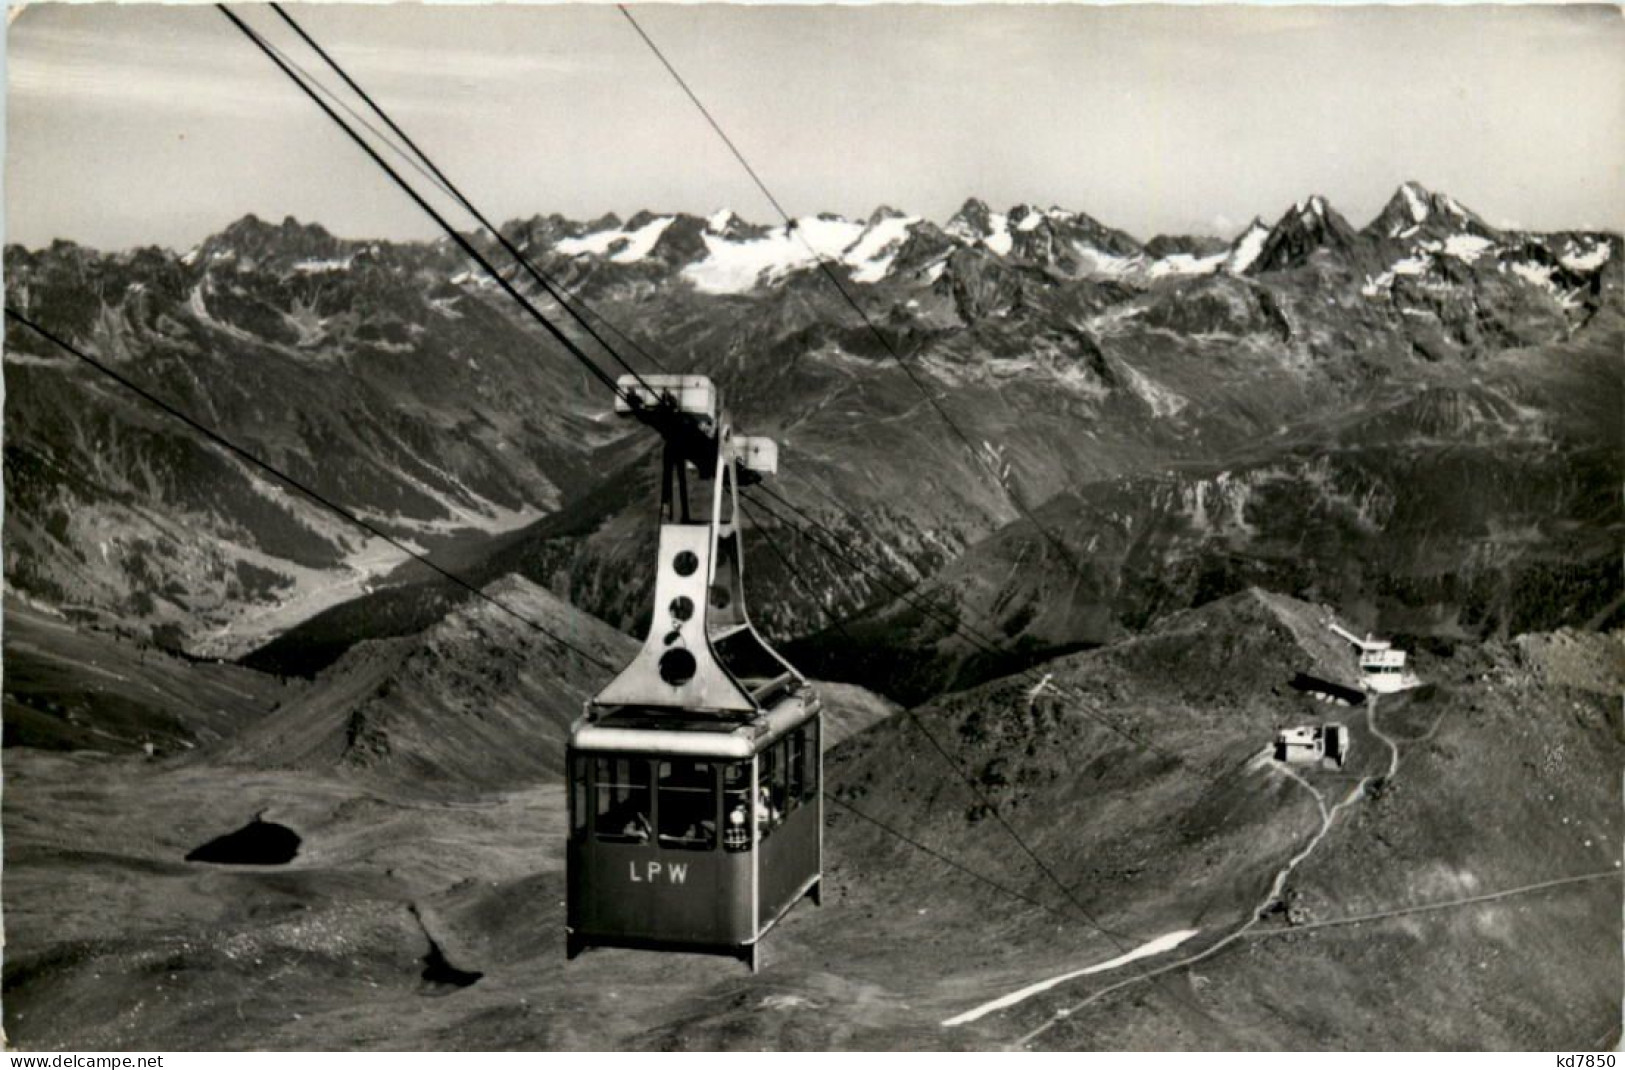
633, 245
1187, 264
1410, 265
1467, 247
1166, 942
1588, 261
732, 267
321, 267
871, 256
1247, 248
640, 242
1099, 262
200, 311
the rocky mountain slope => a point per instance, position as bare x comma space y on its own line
359, 368
1511, 744
1182, 420
1451, 503
1415, 916
1076, 358
480, 700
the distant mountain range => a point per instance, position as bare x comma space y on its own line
1419, 418
723, 254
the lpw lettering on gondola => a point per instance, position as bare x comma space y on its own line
676, 872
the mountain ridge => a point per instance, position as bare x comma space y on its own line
397, 380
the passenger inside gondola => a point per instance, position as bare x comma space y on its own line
622, 811
687, 805
767, 815
770, 795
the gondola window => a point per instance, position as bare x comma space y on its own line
578, 797
622, 789
687, 805
796, 766
809, 760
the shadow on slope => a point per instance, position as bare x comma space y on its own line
479, 701
258, 843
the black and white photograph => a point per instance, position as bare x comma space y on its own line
813, 527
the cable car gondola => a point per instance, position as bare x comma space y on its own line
696, 805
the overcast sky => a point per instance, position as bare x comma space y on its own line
131, 125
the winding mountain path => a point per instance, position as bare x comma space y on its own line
1447, 904
1328, 816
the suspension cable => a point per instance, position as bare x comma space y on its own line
970, 782
941, 616
451, 232
591, 366
1119, 939
939, 856
829, 273
327, 91
554, 290
443, 182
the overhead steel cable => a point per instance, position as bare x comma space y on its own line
328, 92
554, 290
970, 781
942, 616
424, 168
446, 184
417, 198
809, 518
835, 280
316, 496
575, 351
303, 488
941, 857
1116, 937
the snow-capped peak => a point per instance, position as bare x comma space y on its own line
1313, 208
871, 256
972, 222
1248, 244
620, 245
1414, 210
1416, 201
1026, 217
718, 221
